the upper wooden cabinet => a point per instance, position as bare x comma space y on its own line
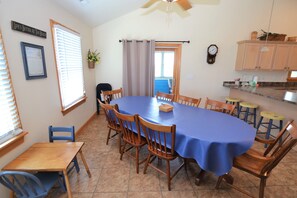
262, 55
292, 61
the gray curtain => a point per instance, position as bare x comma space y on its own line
138, 67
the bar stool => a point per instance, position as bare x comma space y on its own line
250, 110
233, 101
270, 116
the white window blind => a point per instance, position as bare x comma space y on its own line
10, 124
69, 65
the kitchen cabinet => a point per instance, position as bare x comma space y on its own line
285, 57
292, 61
281, 57
270, 55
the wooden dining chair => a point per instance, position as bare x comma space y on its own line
64, 133
188, 101
165, 96
27, 185
219, 106
111, 95
261, 164
161, 144
131, 136
112, 122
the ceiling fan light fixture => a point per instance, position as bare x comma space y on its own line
84, 2
170, 1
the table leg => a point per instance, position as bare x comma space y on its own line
199, 177
228, 178
85, 163
67, 183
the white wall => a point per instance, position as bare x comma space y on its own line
38, 100
223, 23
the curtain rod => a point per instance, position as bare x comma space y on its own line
161, 41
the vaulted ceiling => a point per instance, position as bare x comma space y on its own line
97, 12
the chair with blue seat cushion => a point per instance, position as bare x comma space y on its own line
27, 185
66, 134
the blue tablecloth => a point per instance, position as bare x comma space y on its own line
212, 138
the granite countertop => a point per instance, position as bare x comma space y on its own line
281, 91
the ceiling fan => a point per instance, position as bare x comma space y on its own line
185, 4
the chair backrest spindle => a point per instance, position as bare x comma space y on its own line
188, 101
112, 95
165, 96
219, 106
160, 138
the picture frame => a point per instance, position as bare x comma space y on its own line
34, 61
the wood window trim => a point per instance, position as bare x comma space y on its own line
177, 62
13, 142
290, 79
10, 144
82, 100
70, 108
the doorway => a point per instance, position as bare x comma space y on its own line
167, 68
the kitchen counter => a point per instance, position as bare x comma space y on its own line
285, 92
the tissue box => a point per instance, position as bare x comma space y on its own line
165, 107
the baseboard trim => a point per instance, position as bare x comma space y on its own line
84, 125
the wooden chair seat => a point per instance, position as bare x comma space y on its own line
254, 152
243, 162
161, 154
137, 143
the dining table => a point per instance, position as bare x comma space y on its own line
49, 157
212, 138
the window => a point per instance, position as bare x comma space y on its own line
292, 76
164, 64
10, 124
67, 46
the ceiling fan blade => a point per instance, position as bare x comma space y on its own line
149, 3
185, 4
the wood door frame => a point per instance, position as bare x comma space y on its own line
177, 62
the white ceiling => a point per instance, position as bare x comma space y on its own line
97, 12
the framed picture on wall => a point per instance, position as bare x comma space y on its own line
34, 61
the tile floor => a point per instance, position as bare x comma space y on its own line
113, 178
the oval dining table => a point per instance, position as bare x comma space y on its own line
212, 138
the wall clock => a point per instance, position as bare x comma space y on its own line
212, 51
